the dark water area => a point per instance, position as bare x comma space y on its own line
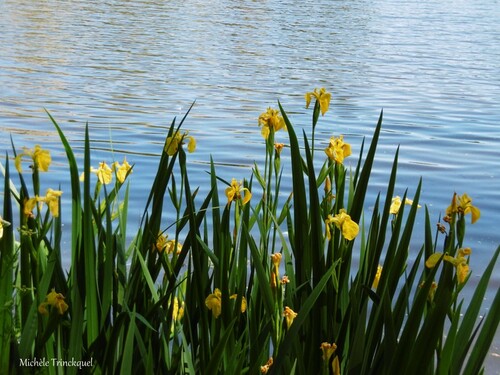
129, 67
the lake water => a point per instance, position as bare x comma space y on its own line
128, 67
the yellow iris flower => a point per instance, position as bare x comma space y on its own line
243, 306
337, 149
175, 141
56, 300
289, 315
29, 205
343, 222
329, 350
177, 311
172, 246
396, 204
41, 158
276, 260
432, 290
463, 205
161, 243
213, 302
271, 119
322, 96
104, 173
233, 193
169, 246
460, 262
122, 170
51, 199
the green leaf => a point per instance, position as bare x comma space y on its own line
147, 276
362, 183
91, 299
7, 259
407, 345
213, 364
300, 244
76, 290
292, 334
489, 328
261, 275
128, 348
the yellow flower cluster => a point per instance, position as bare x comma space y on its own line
40, 157
463, 206
338, 150
321, 96
460, 262
343, 222
214, 302
175, 141
104, 172
163, 244
56, 300
177, 311
271, 119
51, 199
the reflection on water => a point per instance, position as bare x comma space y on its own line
129, 67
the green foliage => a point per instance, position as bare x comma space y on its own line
241, 282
